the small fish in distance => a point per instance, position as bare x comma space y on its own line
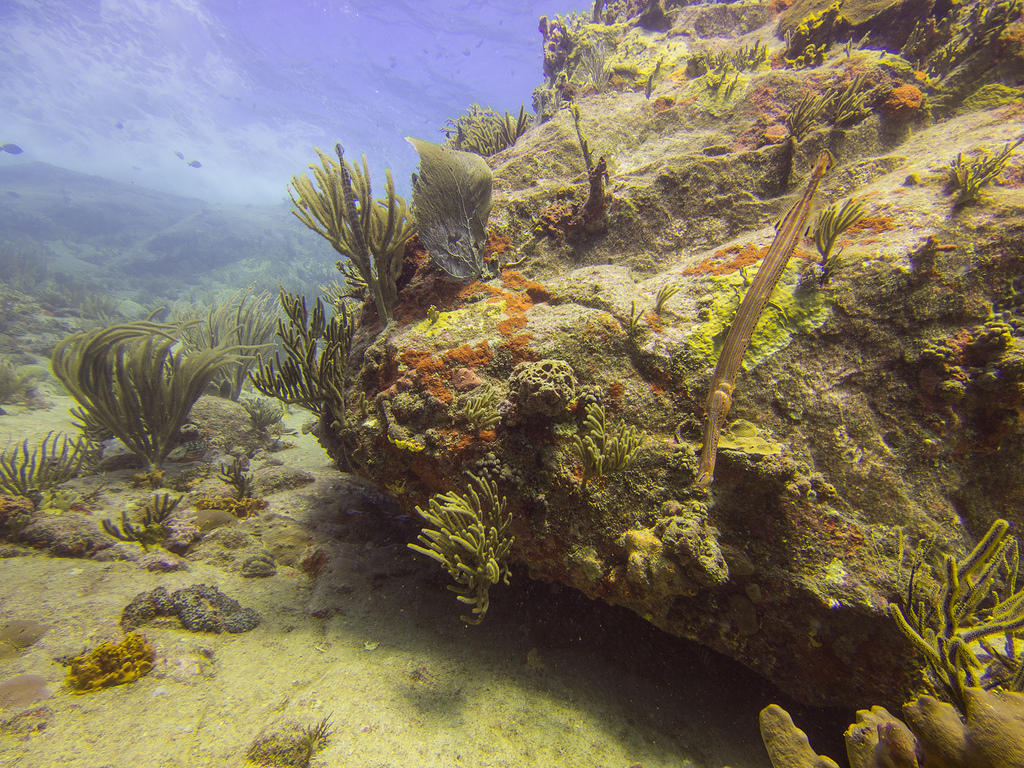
180, 155
195, 164
11, 149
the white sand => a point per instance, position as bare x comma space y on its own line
431, 692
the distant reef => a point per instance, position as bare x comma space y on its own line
100, 228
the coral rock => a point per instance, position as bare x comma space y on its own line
227, 424
851, 444
181, 534
163, 562
259, 566
694, 542
650, 570
66, 536
146, 606
775, 133
206, 609
199, 608
267, 480
542, 390
14, 509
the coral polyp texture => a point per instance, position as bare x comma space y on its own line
199, 608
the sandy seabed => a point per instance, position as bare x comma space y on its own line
403, 681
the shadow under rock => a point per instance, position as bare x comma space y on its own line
403, 597
724, 692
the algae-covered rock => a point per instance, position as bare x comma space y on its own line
877, 410
226, 425
69, 535
693, 541
649, 569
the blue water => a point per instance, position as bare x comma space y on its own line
142, 91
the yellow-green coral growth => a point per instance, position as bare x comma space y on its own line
468, 535
110, 664
788, 313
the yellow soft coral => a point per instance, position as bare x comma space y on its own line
110, 664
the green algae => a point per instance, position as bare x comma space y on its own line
788, 314
746, 437
632, 53
478, 317
990, 96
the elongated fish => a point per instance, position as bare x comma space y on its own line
742, 329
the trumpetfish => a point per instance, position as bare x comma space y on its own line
742, 329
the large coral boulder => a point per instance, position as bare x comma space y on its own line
878, 407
